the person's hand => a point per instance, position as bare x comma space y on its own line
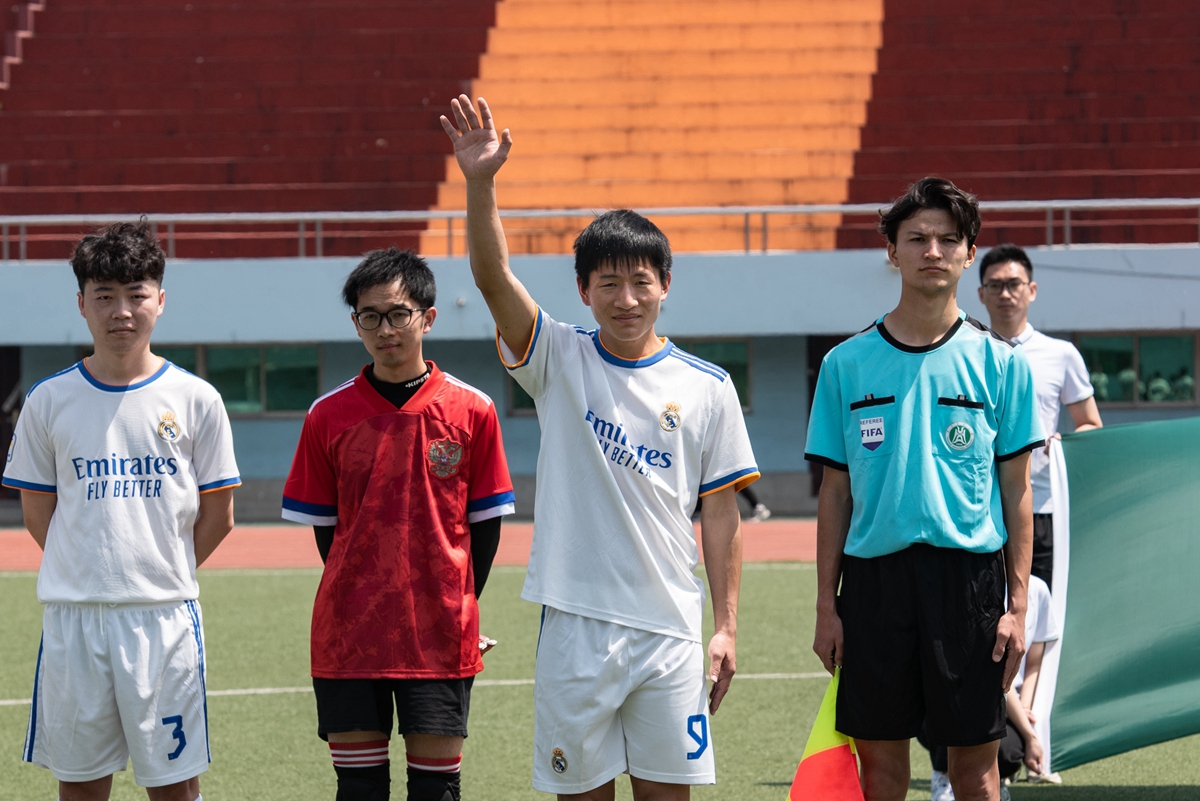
1010, 645
1029, 714
479, 150
1034, 754
827, 643
1051, 438
722, 659
485, 644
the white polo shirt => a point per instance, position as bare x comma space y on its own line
1060, 378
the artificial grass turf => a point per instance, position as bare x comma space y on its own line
265, 746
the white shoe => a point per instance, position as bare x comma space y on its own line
761, 513
939, 787
1044, 778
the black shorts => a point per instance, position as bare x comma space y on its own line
424, 706
1043, 548
919, 627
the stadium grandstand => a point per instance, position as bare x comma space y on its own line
731, 110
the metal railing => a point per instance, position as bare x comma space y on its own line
20, 225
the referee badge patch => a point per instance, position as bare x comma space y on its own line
444, 456
558, 761
872, 432
959, 436
168, 428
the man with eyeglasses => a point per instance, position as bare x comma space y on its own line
402, 474
1060, 378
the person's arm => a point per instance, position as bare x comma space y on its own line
1021, 721
721, 536
214, 521
485, 539
1016, 499
324, 537
38, 508
480, 153
1085, 415
1033, 669
835, 505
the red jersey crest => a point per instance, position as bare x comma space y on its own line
444, 456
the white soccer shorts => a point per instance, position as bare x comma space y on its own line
609, 699
116, 682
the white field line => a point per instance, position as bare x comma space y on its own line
479, 683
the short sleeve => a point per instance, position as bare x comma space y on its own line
826, 441
30, 463
727, 459
212, 451
310, 493
541, 359
1077, 383
490, 492
1017, 426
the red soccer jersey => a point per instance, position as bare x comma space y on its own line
397, 597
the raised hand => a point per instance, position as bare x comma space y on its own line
477, 147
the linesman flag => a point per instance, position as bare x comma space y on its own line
829, 768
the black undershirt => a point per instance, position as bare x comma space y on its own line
485, 535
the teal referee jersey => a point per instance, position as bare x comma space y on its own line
921, 431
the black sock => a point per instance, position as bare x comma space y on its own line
364, 784
426, 785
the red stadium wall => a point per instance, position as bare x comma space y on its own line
140, 106
1027, 100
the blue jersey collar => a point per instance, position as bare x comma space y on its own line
91, 379
613, 358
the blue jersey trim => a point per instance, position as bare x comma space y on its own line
483, 503
727, 480
13, 483
315, 509
225, 482
524, 360
37, 678
194, 613
74, 366
166, 365
666, 350
700, 364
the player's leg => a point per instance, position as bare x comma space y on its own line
880, 702
665, 717
355, 717
580, 683
963, 597
605, 792
96, 790
188, 790
885, 769
432, 716
974, 774
74, 723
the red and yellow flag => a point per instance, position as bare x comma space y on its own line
829, 768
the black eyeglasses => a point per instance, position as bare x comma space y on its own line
997, 287
397, 318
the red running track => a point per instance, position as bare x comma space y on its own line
271, 546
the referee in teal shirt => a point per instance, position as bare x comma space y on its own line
927, 419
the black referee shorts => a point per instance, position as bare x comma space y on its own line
424, 706
919, 627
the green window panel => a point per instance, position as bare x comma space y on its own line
1109, 360
236, 372
1165, 367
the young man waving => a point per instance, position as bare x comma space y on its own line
633, 431
927, 419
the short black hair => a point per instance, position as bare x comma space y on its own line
933, 193
1003, 254
623, 239
124, 253
387, 267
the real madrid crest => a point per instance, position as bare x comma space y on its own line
558, 761
168, 429
670, 419
444, 456
959, 436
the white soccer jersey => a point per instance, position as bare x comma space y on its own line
1060, 378
128, 465
627, 447
1041, 624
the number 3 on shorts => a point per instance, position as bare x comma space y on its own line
177, 733
697, 729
